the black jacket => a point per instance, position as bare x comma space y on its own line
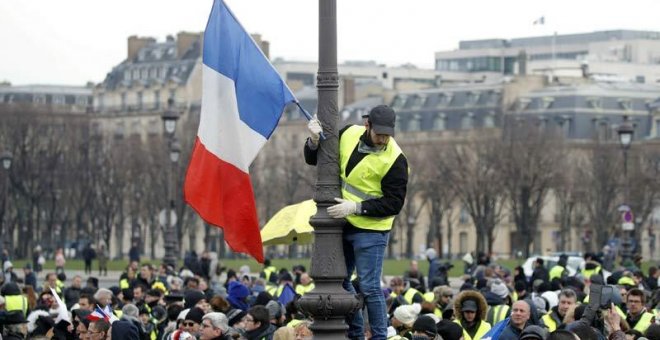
394, 183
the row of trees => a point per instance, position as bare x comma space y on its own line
68, 183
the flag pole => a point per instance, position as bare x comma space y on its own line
328, 302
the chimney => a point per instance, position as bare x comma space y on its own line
184, 41
263, 44
136, 43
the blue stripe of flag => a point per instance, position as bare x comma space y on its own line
229, 50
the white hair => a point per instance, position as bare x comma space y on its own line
218, 320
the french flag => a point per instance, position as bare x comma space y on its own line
243, 98
101, 314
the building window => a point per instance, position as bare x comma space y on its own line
156, 99
467, 121
444, 99
464, 216
123, 100
139, 100
657, 128
120, 130
440, 122
173, 95
546, 102
81, 101
595, 103
565, 126
136, 74
489, 120
522, 104
101, 101
463, 242
399, 101
39, 99
625, 104
144, 74
414, 123
416, 102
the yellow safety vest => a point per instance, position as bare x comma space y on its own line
268, 271
556, 272
484, 327
549, 322
16, 302
300, 289
408, 295
123, 284
271, 289
497, 313
363, 182
586, 273
644, 322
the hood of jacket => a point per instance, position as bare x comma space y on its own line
470, 295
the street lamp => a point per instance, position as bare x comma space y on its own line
328, 302
626, 131
170, 117
6, 159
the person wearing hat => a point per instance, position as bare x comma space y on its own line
470, 310
14, 299
534, 332
8, 269
257, 324
14, 325
374, 175
424, 328
559, 271
555, 317
403, 318
193, 321
497, 299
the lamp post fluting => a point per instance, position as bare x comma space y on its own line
328, 303
170, 117
626, 131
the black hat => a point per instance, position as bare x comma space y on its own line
155, 292
449, 329
425, 324
382, 119
469, 306
195, 314
12, 318
191, 298
534, 332
235, 315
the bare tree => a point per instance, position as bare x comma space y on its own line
440, 197
530, 162
472, 169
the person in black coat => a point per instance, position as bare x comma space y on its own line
30, 277
88, 255
540, 273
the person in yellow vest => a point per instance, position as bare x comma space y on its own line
470, 311
269, 272
14, 300
306, 285
555, 317
498, 300
403, 296
638, 318
591, 267
559, 271
374, 176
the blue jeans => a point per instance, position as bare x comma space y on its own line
364, 252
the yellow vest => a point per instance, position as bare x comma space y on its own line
556, 272
123, 284
644, 322
300, 289
363, 182
549, 322
16, 302
268, 271
484, 327
408, 295
586, 273
497, 313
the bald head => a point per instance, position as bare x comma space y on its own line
520, 312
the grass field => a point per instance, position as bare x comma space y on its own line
391, 267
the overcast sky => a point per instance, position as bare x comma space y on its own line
75, 41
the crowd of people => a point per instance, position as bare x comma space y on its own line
204, 301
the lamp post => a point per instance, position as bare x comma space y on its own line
328, 302
170, 117
626, 131
6, 158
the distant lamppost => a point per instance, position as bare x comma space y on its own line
6, 159
170, 117
626, 131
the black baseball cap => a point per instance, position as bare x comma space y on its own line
382, 119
